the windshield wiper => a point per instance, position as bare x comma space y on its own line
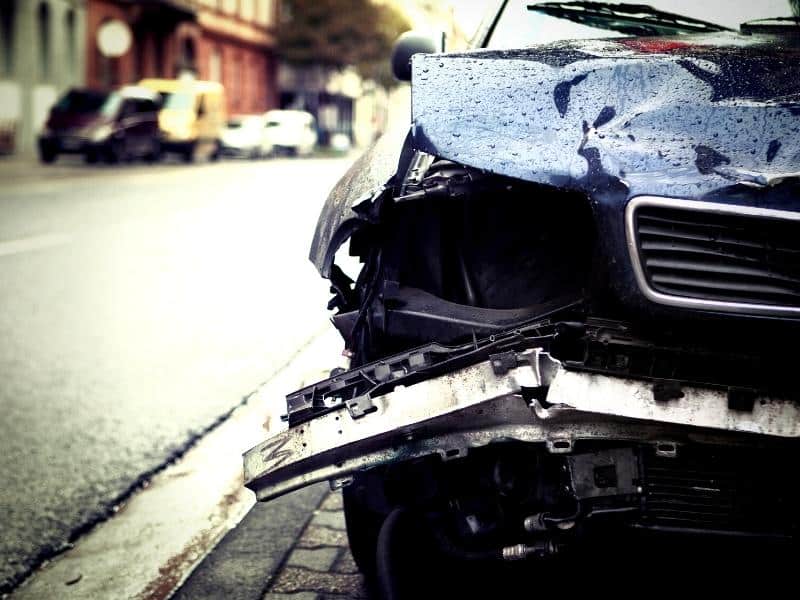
628, 19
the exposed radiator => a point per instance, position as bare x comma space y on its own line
722, 489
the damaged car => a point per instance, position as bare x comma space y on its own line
579, 298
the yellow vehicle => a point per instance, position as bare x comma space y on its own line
192, 116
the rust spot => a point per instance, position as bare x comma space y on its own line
228, 500
176, 568
173, 572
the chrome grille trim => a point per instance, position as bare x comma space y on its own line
707, 207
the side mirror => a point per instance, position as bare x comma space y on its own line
409, 44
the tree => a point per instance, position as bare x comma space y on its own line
334, 34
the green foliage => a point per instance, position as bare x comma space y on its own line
335, 34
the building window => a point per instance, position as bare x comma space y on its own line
247, 9
69, 27
7, 11
43, 22
286, 12
237, 81
187, 63
215, 65
265, 12
161, 56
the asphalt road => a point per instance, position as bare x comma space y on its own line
138, 305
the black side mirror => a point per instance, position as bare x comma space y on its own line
409, 44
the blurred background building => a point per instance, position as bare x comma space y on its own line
42, 53
49, 46
347, 102
229, 41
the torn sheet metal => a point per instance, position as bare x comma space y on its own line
363, 182
695, 406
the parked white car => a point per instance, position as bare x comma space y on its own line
247, 136
291, 131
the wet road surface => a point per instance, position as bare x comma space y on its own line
138, 305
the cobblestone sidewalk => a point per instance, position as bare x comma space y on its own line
320, 566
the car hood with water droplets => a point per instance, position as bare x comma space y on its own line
682, 117
667, 116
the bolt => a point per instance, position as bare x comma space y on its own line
515, 552
520, 551
533, 523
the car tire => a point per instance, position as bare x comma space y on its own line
115, 152
363, 527
154, 155
91, 157
216, 152
48, 156
189, 154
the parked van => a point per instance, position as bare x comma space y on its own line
192, 116
116, 126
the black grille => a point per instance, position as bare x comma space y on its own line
721, 489
720, 257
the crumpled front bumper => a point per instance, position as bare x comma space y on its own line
485, 403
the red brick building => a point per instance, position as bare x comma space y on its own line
231, 41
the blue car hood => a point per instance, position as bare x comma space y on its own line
684, 116
675, 117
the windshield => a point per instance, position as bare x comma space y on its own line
524, 23
80, 102
244, 122
110, 107
178, 100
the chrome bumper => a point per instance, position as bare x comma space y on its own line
475, 406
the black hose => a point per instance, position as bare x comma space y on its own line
387, 586
386, 556
449, 548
